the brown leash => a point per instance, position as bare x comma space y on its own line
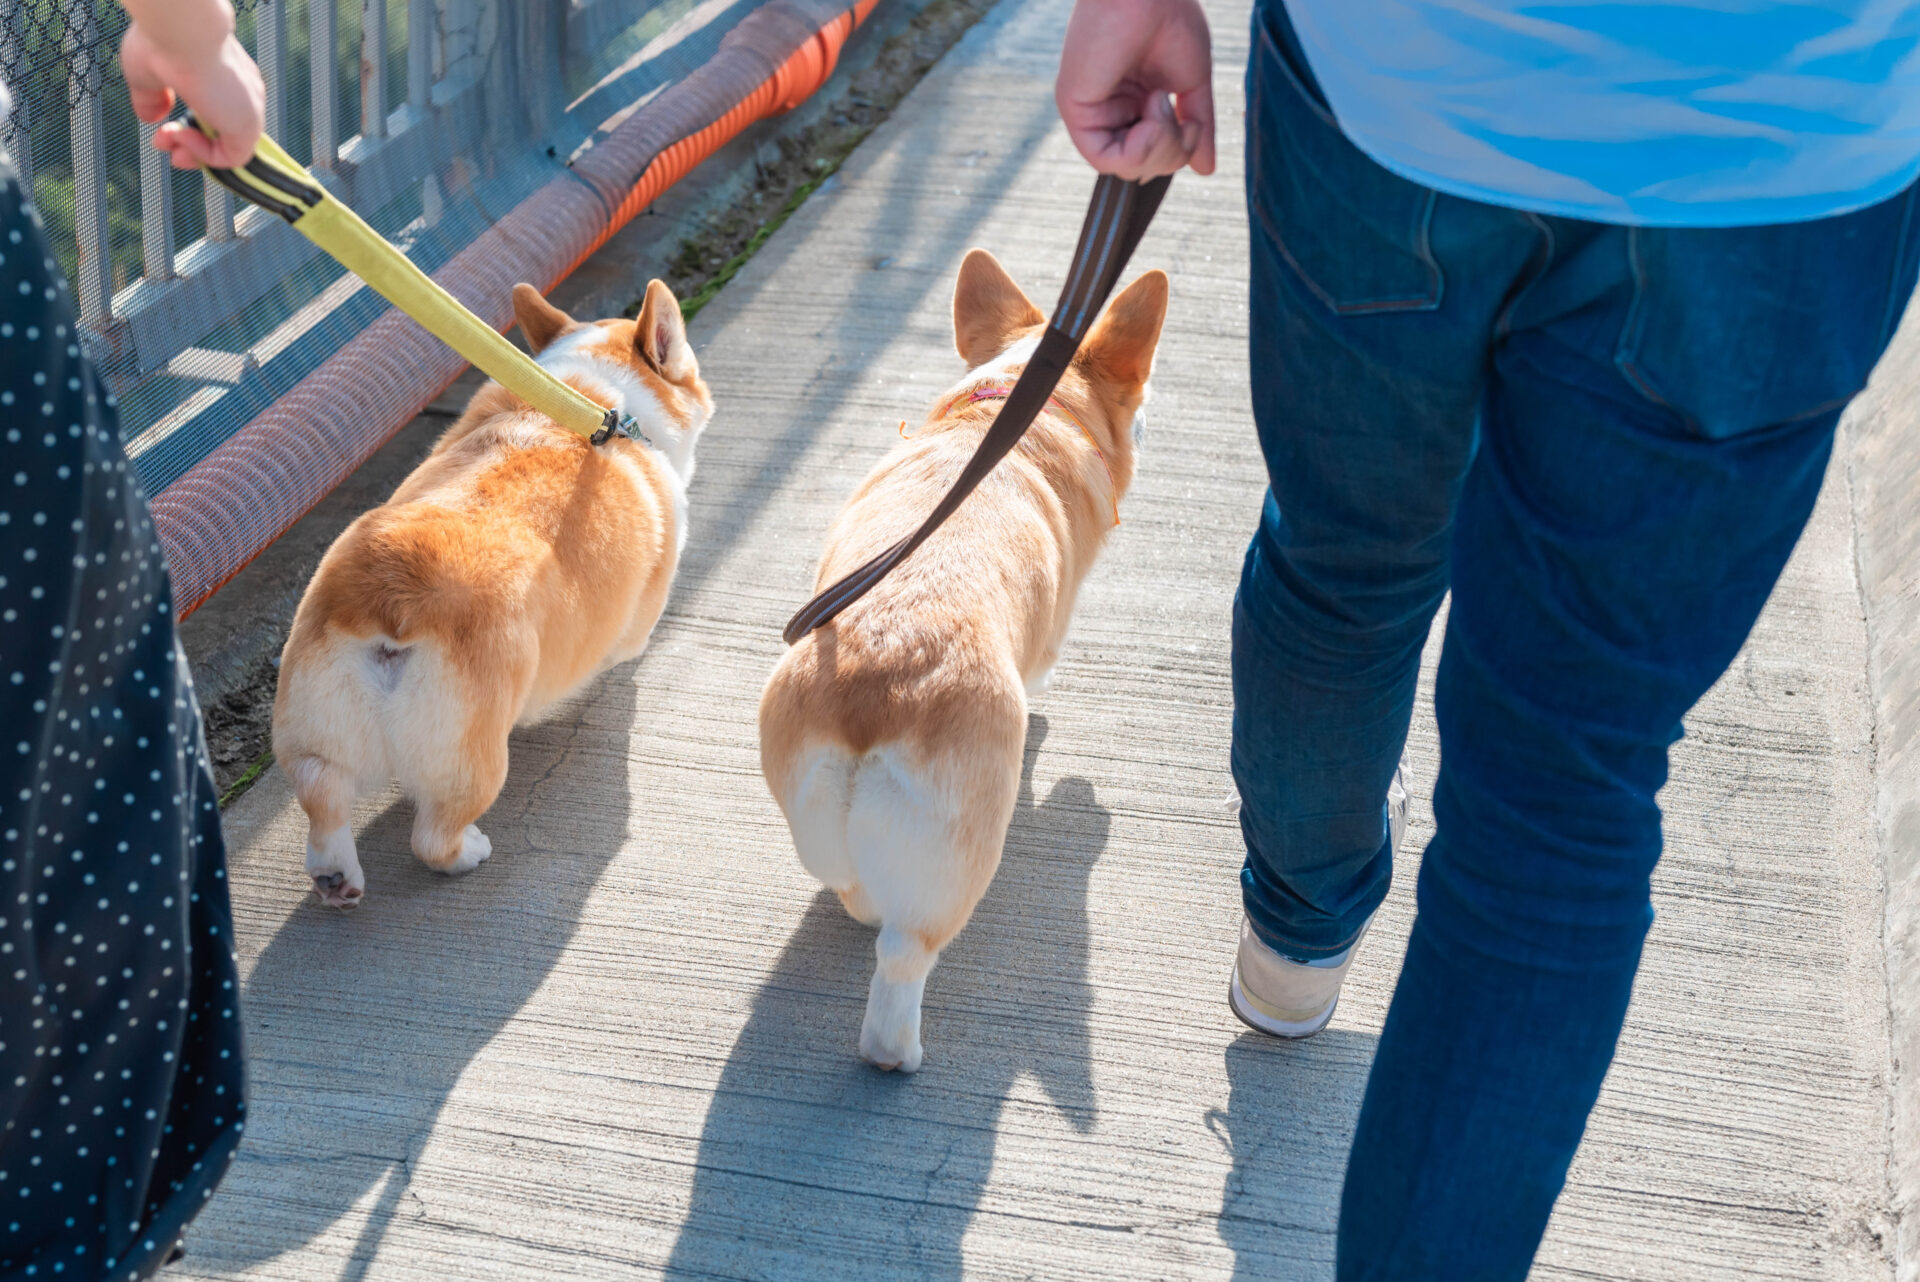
1117, 217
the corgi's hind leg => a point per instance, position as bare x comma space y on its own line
890, 1033
446, 836
452, 783
859, 904
816, 802
326, 793
925, 844
447, 845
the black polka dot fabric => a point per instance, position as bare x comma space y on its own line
120, 1052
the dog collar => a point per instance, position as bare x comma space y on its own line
617, 424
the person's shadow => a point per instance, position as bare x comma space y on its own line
419, 978
809, 1155
1291, 1109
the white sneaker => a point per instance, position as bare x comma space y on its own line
1287, 998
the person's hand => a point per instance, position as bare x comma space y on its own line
1136, 86
186, 48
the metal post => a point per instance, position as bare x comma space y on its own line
18, 136
320, 47
545, 45
424, 53
459, 37
420, 54
156, 209
526, 75
219, 204
88, 131
373, 68
270, 39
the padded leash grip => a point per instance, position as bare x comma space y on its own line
281, 185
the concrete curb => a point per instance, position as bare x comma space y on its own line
1884, 472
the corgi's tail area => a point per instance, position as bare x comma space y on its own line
363, 706
356, 711
910, 846
881, 831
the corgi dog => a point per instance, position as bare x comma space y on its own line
892, 737
517, 561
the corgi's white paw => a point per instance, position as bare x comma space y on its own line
336, 891
334, 865
890, 1034
1039, 681
475, 846
892, 1048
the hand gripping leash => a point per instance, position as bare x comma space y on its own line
1117, 217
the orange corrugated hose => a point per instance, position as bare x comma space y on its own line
791, 84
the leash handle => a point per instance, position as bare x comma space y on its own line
1117, 217
272, 179
281, 185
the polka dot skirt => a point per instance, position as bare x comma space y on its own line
120, 1054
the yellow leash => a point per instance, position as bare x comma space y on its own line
278, 183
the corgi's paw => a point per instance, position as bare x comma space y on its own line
336, 891
1039, 681
334, 865
475, 846
893, 1048
890, 1034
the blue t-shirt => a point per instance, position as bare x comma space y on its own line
1713, 114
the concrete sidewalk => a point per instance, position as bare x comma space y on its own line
627, 1043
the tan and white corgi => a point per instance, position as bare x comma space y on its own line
516, 562
892, 737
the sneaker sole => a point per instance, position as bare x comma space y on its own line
1292, 1030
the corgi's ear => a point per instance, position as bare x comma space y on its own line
660, 335
988, 309
540, 320
1120, 346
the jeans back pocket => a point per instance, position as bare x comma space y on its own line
1353, 232
1737, 329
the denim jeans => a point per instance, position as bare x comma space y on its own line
1604, 441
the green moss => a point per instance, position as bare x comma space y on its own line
246, 780
691, 305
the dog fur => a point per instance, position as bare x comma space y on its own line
892, 737
516, 562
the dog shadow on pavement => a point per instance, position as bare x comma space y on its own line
361, 1023
811, 1161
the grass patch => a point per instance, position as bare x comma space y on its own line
247, 778
691, 305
